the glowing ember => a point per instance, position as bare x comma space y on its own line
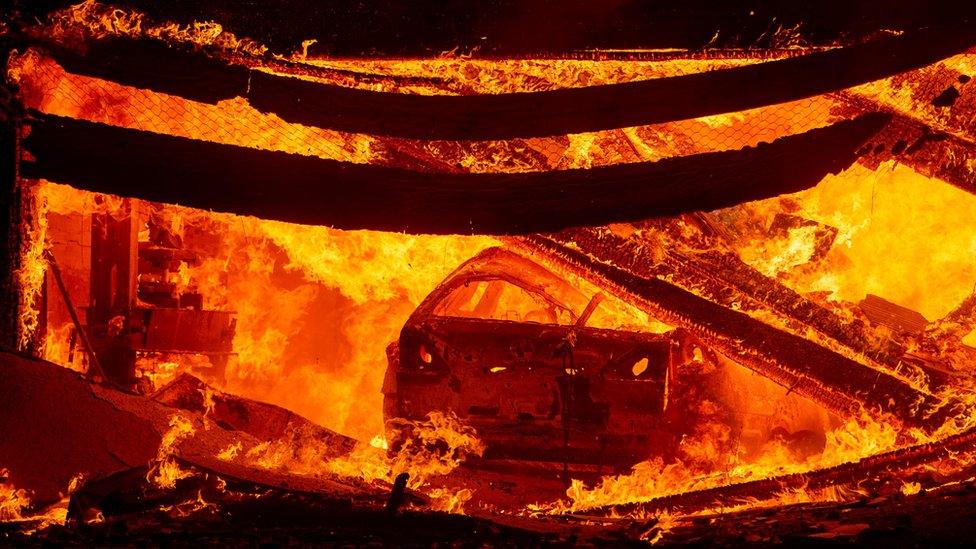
12, 500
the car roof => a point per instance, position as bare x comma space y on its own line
504, 264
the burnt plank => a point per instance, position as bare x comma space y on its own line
873, 473
813, 371
155, 65
594, 108
311, 190
193, 75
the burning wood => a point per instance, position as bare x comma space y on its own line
260, 420
816, 372
484, 117
618, 363
234, 179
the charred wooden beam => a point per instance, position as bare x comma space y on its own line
259, 419
147, 64
960, 321
813, 371
910, 140
719, 275
577, 110
873, 472
731, 271
155, 65
311, 190
192, 74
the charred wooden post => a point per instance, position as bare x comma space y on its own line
397, 494
114, 271
9, 233
18, 218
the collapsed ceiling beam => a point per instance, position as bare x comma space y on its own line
924, 145
312, 190
803, 366
869, 473
151, 64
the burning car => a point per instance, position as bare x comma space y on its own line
542, 370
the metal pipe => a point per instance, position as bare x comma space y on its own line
92, 359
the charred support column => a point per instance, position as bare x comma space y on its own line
10, 233
17, 223
397, 494
114, 270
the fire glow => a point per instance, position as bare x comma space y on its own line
874, 266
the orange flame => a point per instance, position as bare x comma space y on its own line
165, 471
99, 20
434, 447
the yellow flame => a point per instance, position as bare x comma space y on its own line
13, 500
434, 447
911, 488
165, 471
99, 20
654, 478
32, 271
908, 238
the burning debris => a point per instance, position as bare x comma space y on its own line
572, 299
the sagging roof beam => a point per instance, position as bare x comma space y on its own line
154, 65
316, 191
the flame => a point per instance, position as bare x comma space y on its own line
32, 271
316, 306
230, 452
911, 488
15, 505
58, 348
360, 285
772, 257
375, 279
695, 469
165, 471
13, 501
434, 447
256, 255
664, 523
904, 236
450, 501
190, 507
97, 20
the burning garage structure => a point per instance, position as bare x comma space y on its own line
304, 284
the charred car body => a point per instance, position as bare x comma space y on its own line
529, 360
